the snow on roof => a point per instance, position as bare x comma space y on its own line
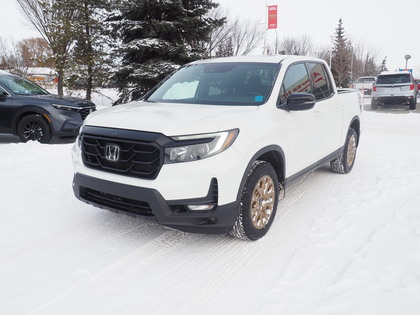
394, 72
257, 58
40, 71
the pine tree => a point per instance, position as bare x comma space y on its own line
225, 49
341, 57
383, 66
158, 36
89, 52
370, 66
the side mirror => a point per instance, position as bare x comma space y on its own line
3, 96
300, 101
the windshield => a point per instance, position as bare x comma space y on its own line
218, 84
394, 79
22, 86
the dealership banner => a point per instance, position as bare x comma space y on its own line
272, 17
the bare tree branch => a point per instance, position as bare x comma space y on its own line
53, 20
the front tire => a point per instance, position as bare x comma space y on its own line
35, 128
258, 204
344, 163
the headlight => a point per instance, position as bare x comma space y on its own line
65, 107
203, 146
79, 137
79, 142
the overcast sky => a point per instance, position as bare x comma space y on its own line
388, 28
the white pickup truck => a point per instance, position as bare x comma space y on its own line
213, 147
364, 84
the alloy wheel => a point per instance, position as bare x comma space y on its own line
33, 131
262, 202
351, 151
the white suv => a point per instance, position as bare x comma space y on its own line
211, 148
394, 88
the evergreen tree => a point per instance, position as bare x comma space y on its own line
91, 43
341, 57
157, 37
370, 66
225, 49
383, 66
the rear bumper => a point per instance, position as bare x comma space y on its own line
393, 100
149, 204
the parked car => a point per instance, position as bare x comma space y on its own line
394, 88
32, 113
418, 85
213, 147
364, 84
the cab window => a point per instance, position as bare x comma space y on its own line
296, 80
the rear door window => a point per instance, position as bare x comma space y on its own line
322, 85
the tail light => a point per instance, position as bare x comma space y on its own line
374, 88
411, 87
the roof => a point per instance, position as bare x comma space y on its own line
257, 58
41, 71
395, 72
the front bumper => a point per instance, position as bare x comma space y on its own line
67, 123
150, 204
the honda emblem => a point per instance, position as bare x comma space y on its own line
112, 152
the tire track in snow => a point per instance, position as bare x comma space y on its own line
171, 244
329, 247
127, 280
75, 257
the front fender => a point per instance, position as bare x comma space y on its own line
272, 154
28, 110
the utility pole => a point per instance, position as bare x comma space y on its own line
406, 61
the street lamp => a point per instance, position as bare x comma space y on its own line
406, 60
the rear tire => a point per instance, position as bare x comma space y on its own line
35, 128
258, 204
413, 104
373, 105
344, 163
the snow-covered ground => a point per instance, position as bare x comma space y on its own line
340, 244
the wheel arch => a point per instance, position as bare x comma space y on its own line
26, 111
273, 155
355, 124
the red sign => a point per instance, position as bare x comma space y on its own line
272, 17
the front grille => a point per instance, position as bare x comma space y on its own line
137, 158
84, 112
116, 202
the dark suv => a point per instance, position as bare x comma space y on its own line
32, 113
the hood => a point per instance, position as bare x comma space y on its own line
170, 119
70, 100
